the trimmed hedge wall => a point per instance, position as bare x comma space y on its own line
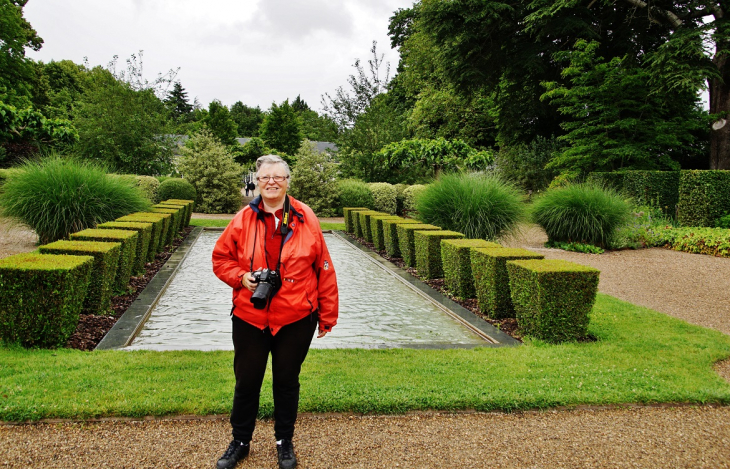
456, 261
148, 217
175, 221
390, 235
491, 282
364, 225
41, 296
376, 228
612, 180
157, 227
177, 206
126, 255
189, 204
428, 251
655, 188
552, 298
103, 270
704, 196
358, 222
406, 240
348, 213
143, 242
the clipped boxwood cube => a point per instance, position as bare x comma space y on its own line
364, 224
406, 240
456, 261
376, 227
41, 296
390, 234
357, 226
189, 204
428, 251
157, 222
180, 207
143, 242
175, 222
552, 298
103, 270
149, 216
348, 213
491, 282
126, 255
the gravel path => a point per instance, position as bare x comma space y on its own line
692, 287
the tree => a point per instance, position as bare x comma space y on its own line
220, 123
248, 119
16, 71
314, 180
281, 129
300, 105
177, 103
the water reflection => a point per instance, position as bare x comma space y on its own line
376, 308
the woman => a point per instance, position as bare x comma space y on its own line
274, 233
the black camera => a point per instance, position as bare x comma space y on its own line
269, 283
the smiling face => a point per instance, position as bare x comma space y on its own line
273, 192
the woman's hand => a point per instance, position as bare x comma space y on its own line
321, 334
247, 281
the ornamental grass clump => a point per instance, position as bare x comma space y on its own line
480, 206
582, 213
56, 197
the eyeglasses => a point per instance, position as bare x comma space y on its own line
265, 179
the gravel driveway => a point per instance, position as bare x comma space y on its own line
692, 287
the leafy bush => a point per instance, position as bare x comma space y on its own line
149, 187
355, 193
56, 197
524, 164
480, 206
410, 197
456, 262
723, 222
400, 197
710, 241
210, 168
644, 229
581, 213
428, 251
176, 188
384, 197
654, 188
250, 151
575, 247
313, 180
703, 197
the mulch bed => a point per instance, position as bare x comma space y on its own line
92, 328
506, 325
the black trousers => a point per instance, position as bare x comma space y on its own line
288, 350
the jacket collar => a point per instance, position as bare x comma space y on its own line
254, 204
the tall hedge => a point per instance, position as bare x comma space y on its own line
656, 188
704, 196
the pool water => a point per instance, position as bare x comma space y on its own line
377, 308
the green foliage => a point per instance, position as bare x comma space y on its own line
350, 216
478, 205
364, 225
646, 228
400, 197
491, 280
390, 234
127, 254
122, 126
580, 213
377, 229
575, 247
428, 251
722, 222
384, 197
411, 194
177, 103
703, 197
41, 296
220, 123
656, 188
210, 168
144, 236
612, 180
159, 229
56, 197
176, 218
642, 129
552, 298
16, 70
176, 188
456, 262
313, 180
355, 193
247, 119
524, 163
709, 241
149, 186
103, 270
407, 240
281, 129
249, 152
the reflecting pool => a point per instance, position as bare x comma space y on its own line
377, 308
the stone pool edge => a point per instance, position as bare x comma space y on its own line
455, 310
132, 321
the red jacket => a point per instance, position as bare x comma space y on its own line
308, 275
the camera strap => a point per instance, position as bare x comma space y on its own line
284, 226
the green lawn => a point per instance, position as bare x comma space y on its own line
641, 357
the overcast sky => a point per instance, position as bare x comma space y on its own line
255, 51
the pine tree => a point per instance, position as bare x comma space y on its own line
177, 101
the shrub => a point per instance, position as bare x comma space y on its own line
159, 221
723, 222
355, 193
410, 197
456, 262
552, 298
56, 197
704, 196
313, 180
126, 255
407, 241
210, 168
176, 218
428, 251
654, 188
524, 164
176, 188
491, 281
642, 230
364, 223
144, 231
376, 228
582, 213
41, 296
149, 187
384, 197
390, 234
613, 180
480, 206
400, 197
350, 216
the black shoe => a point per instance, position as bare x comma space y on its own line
287, 460
236, 451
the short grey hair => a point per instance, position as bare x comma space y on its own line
271, 159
